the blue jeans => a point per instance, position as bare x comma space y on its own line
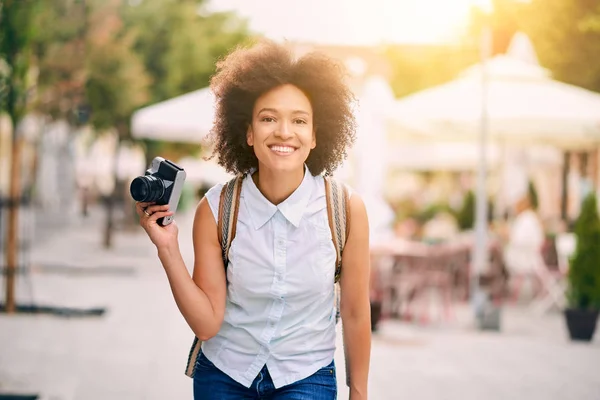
212, 384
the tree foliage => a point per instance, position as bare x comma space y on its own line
114, 56
584, 270
60, 50
566, 38
179, 43
16, 34
466, 215
565, 34
117, 83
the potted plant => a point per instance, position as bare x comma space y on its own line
465, 217
584, 274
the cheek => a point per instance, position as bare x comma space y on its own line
259, 133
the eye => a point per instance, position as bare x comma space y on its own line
300, 121
267, 119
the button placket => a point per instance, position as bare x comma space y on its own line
278, 284
259, 361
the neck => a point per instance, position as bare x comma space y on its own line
277, 186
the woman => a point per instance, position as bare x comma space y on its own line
267, 321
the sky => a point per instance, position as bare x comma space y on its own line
355, 22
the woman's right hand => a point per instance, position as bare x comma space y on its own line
163, 237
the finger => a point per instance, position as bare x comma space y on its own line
146, 209
153, 209
141, 206
159, 214
139, 209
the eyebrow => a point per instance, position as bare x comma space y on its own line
276, 111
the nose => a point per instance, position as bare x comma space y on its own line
284, 130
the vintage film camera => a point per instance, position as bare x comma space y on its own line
161, 184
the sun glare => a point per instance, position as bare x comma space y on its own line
357, 22
423, 21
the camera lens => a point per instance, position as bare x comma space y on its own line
146, 188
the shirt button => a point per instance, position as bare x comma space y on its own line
281, 242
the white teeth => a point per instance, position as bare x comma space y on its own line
282, 149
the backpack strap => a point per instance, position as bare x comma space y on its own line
338, 206
229, 205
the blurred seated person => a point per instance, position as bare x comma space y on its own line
522, 253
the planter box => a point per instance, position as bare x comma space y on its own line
581, 324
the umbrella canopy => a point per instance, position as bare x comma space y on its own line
524, 106
186, 118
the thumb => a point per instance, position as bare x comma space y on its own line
171, 227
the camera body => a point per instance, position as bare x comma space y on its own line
161, 184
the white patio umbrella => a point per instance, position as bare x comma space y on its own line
525, 106
521, 103
186, 118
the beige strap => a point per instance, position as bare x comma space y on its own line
229, 205
338, 206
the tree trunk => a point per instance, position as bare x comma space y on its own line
12, 245
111, 200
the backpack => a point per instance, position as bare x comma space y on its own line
338, 213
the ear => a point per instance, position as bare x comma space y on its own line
313, 144
250, 136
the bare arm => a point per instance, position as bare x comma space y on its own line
200, 298
355, 304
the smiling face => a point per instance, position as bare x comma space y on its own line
281, 131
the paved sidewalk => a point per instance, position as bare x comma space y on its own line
138, 349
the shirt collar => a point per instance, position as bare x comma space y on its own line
262, 210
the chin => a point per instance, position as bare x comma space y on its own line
284, 165
280, 167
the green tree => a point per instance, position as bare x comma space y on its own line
533, 195
466, 215
60, 51
116, 83
584, 271
16, 32
565, 34
179, 42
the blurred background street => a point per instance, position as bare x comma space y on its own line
138, 348
477, 154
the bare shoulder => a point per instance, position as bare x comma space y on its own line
204, 230
203, 212
359, 221
208, 263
